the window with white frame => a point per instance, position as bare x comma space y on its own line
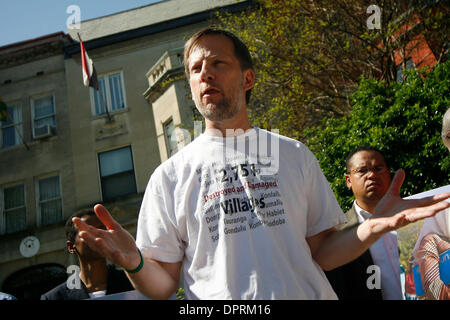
43, 112
50, 202
111, 87
11, 132
117, 173
171, 141
14, 210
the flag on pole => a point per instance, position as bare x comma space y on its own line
3, 111
89, 73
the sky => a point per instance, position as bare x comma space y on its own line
28, 19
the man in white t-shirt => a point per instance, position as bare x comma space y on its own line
244, 213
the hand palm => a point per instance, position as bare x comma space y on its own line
114, 243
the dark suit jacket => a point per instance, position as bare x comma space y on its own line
349, 281
117, 282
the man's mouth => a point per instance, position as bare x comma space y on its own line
372, 186
209, 92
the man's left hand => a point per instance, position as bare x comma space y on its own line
393, 212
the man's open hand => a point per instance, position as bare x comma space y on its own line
393, 212
114, 243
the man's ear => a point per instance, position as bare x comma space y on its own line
71, 247
249, 79
348, 181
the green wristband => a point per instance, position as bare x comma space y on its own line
139, 267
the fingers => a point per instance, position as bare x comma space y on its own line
95, 243
429, 211
88, 233
430, 200
397, 182
92, 236
83, 226
441, 196
105, 217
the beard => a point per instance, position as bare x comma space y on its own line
226, 108
220, 111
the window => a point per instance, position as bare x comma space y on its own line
409, 64
43, 111
50, 204
171, 141
12, 131
117, 173
111, 87
14, 211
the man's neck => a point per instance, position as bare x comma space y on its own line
229, 127
226, 132
366, 206
94, 274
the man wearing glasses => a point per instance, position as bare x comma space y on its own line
375, 275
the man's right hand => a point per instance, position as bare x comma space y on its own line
115, 243
156, 280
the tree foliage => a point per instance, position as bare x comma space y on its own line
310, 55
403, 119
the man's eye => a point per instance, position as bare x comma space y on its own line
195, 68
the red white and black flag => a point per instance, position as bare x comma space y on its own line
89, 73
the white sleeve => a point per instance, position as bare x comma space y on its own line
157, 235
324, 211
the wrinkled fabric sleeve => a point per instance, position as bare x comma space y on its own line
428, 256
158, 234
324, 211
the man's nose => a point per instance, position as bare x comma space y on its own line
372, 173
207, 73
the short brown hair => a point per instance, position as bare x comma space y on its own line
240, 50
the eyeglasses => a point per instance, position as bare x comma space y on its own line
361, 172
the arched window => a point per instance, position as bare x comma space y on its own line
31, 282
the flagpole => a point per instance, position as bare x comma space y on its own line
21, 138
100, 93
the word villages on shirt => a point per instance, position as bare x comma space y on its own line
240, 214
236, 205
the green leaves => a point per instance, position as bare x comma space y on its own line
402, 119
310, 55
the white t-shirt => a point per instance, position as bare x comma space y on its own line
237, 223
384, 254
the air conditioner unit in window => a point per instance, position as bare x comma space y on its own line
43, 132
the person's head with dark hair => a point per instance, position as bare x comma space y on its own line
94, 278
368, 176
220, 73
73, 243
70, 228
240, 50
359, 149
